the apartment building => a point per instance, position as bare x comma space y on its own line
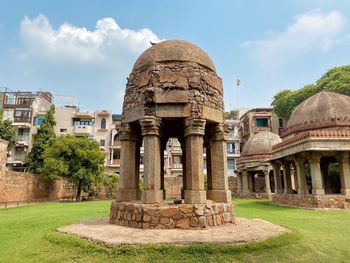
26, 111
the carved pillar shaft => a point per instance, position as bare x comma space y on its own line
267, 181
277, 177
245, 187
316, 176
301, 177
287, 178
218, 186
129, 176
344, 172
194, 191
151, 160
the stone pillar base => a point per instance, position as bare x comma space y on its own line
152, 196
318, 191
288, 191
195, 196
128, 194
219, 195
345, 191
268, 191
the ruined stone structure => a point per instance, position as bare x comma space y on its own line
316, 144
254, 163
173, 91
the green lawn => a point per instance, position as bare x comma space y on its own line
27, 234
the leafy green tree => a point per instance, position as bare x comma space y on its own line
335, 80
7, 131
77, 159
35, 159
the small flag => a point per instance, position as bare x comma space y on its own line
238, 82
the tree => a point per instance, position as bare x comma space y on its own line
7, 131
77, 159
335, 80
35, 159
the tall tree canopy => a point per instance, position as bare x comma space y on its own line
336, 80
46, 131
7, 131
77, 159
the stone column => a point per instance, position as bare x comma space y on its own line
151, 160
194, 131
277, 177
239, 183
251, 182
218, 187
245, 187
287, 178
301, 177
344, 173
317, 182
129, 176
183, 161
267, 181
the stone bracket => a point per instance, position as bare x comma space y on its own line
150, 126
194, 126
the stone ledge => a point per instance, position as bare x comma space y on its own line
313, 201
168, 216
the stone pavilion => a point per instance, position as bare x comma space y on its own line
173, 91
316, 143
254, 165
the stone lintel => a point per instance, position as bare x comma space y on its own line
150, 126
195, 196
219, 195
194, 126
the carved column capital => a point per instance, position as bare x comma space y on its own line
194, 126
150, 126
342, 157
126, 133
219, 132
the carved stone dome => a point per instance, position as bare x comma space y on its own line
322, 110
173, 50
260, 144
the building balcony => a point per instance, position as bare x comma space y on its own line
22, 141
176, 166
21, 119
83, 129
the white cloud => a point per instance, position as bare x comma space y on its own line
312, 31
78, 59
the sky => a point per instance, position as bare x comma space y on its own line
86, 49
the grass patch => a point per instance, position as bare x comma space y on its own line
27, 234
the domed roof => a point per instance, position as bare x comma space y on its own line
323, 109
174, 50
261, 143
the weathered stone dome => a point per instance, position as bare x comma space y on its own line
260, 144
322, 110
174, 79
173, 50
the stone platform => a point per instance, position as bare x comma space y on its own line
169, 215
313, 201
244, 230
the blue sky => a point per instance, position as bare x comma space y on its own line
86, 49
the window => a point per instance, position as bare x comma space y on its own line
63, 130
230, 148
231, 164
102, 142
116, 154
21, 115
280, 122
39, 120
103, 123
262, 122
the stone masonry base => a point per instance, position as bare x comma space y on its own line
313, 201
168, 216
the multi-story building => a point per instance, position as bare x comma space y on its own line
233, 145
257, 120
25, 110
